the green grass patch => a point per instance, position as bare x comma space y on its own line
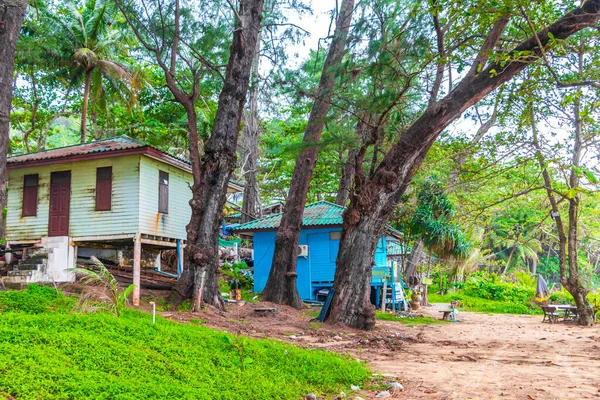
383, 316
247, 295
35, 300
417, 320
478, 304
46, 352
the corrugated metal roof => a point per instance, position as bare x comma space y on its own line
315, 214
396, 249
99, 146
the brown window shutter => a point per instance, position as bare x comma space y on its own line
163, 192
103, 189
30, 195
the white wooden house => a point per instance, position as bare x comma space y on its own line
117, 191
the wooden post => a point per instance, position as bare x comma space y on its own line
384, 297
393, 268
137, 266
199, 292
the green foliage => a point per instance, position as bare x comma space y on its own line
117, 300
91, 356
526, 279
237, 279
410, 321
432, 222
561, 296
240, 345
549, 269
477, 304
35, 300
491, 287
185, 306
484, 292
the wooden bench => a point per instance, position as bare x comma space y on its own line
446, 312
551, 313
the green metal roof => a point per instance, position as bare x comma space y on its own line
397, 249
321, 213
315, 214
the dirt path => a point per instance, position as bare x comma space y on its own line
499, 357
482, 357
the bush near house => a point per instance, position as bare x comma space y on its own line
490, 293
48, 352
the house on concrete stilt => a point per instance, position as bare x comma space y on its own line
98, 198
318, 248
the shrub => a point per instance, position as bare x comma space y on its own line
561, 296
101, 276
35, 299
491, 287
239, 272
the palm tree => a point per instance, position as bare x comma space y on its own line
95, 51
513, 240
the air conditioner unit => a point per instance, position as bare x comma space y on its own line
303, 250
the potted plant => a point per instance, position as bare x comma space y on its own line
415, 300
235, 293
235, 285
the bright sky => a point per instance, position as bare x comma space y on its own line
317, 24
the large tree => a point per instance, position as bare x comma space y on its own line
251, 207
170, 34
281, 285
374, 197
219, 159
12, 13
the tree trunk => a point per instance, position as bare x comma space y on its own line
281, 285
411, 276
12, 13
346, 180
575, 285
374, 198
84, 106
218, 162
533, 267
510, 256
568, 259
251, 202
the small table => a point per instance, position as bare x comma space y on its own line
569, 310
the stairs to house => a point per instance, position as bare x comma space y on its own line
32, 268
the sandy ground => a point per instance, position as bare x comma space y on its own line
499, 356
482, 357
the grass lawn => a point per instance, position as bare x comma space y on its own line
479, 304
419, 320
48, 352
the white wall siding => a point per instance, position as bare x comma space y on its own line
122, 218
84, 220
27, 228
173, 223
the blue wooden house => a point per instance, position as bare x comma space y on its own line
318, 248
